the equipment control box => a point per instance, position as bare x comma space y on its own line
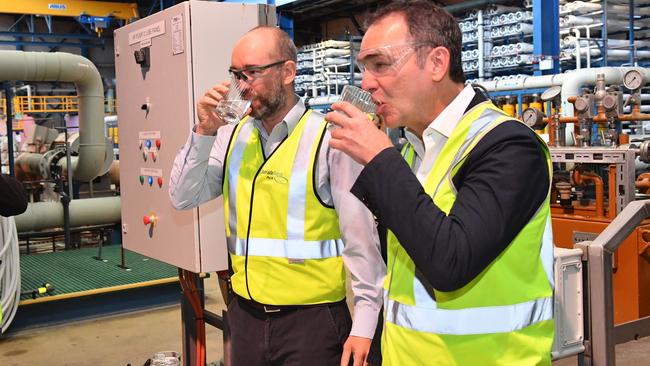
164, 63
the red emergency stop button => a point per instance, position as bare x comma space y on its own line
150, 219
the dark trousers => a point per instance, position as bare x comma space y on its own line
300, 336
374, 354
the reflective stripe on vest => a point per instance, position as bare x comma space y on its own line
293, 249
242, 134
483, 320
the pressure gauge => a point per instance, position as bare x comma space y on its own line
633, 80
610, 102
551, 93
534, 118
581, 104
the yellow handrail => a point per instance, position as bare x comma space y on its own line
49, 104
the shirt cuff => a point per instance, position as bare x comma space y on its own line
364, 321
200, 145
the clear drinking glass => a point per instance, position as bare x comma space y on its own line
232, 108
359, 98
166, 358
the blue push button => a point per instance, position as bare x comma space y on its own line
150, 180
148, 144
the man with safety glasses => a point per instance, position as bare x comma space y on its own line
466, 203
291, 221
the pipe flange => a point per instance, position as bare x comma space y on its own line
644, 151
50, 161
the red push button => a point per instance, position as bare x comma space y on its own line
158, 143
150, 219
160, 182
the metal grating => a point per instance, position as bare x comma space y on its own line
76, 271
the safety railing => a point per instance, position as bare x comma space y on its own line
49, 104
602, 334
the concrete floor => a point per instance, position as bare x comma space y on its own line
115, 341
133, 338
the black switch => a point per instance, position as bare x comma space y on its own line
142, 57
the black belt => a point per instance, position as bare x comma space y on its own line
277, 309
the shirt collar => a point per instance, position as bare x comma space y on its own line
295, 114
447, 120
290, 120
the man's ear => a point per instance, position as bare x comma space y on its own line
289, 69
438, 63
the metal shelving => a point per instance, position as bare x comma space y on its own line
325, 67
604, 33
506, 36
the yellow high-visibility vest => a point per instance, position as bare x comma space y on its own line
504, 316
284, 242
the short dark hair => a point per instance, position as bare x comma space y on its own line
428, 23
284, 44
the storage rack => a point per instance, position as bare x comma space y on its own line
324, 68
604, 33
506, 36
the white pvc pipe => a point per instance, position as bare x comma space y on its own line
578, 59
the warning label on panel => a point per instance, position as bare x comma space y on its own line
151, 172
143, 135
177, 34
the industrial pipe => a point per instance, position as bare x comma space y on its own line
571, 82
473, 5
59, 66
583, 178
643, 183
114, 172
89, 211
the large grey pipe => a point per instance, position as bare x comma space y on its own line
89, 211
59, 66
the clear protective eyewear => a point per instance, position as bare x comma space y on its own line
251, 73
387, 60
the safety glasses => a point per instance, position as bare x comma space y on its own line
387, 60
251, 73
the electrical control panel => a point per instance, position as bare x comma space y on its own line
164, 63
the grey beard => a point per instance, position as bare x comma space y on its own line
269, 106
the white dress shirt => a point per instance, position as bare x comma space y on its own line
197, 177
437, 133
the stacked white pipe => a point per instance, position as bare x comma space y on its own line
582, 20
324, 67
